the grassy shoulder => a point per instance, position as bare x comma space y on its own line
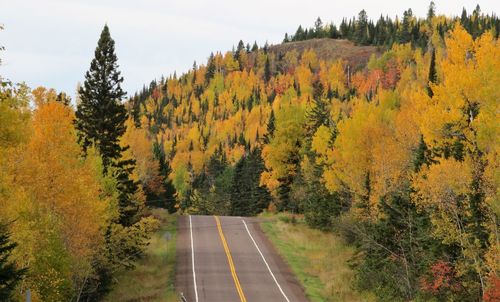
153, 277
318, 259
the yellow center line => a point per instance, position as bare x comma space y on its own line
230, 260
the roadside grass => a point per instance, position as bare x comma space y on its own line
318, 259
153, 277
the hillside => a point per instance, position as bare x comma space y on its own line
331, 50
391, 155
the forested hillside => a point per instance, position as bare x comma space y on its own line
385, 133
395, 148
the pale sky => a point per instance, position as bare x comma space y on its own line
51, 42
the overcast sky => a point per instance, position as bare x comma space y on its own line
51, 42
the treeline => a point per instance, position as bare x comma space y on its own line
399, 157
387, 31
74, 186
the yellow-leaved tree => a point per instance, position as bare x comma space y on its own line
57, 213
460, 124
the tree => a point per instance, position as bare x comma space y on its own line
318, 28
248, 197
271, 126
100, 116
361, 36
431, 12
267, 70
404, 34
100, 121
432, 79
10, 275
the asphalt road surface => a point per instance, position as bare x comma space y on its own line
229, 259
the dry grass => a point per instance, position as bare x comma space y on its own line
153, 277
330, 49
318, 259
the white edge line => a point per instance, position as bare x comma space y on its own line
268, 268
192, 259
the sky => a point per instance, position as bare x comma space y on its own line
51, 42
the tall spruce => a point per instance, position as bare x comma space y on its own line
432, 73
100, 121
271, 126
100, 116
10, 275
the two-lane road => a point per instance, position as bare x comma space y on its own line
229, 259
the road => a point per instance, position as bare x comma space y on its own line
229, 259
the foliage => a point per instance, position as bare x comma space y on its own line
387, 31
10, 275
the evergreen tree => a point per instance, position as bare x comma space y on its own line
255, 47
100, 121
167, 198
271, 126
318, 28
267, 70
432, 73
248, 198
100, 116
431, 12
299, 34
10, 275
361, 35
239, 48
286, 39
401, 234
210, 68
404, 34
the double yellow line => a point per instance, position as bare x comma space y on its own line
230, 260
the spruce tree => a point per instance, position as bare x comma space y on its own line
100, 121
431, 12
100, 116
432, 73
271, 126
404, 34
248, 198
10, 275
255, 47
210, 69
267, 70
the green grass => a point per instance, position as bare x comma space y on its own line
153, 277
318, 259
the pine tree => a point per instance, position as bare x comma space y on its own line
10, 275
100, 116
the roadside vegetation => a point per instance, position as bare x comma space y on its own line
318, 259
153, 277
